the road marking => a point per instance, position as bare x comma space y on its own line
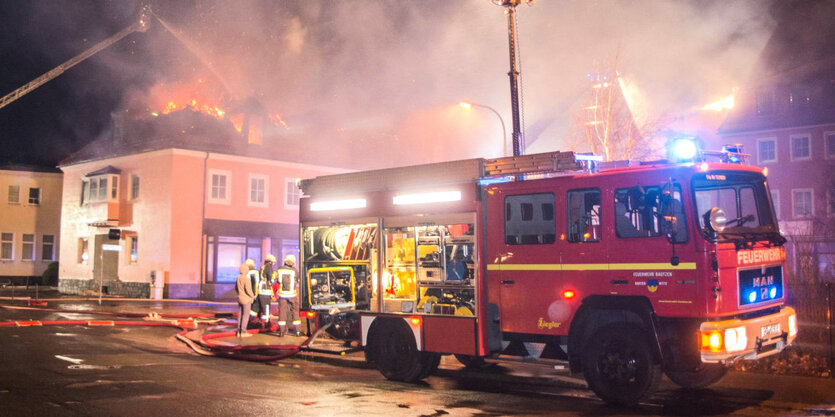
68, 359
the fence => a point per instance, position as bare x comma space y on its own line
814, 305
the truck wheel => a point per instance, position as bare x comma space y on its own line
430, 363
619, 365
471, 362
395, 352
707, 374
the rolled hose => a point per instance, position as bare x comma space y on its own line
185, 322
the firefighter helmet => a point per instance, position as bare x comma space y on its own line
250, 262
271, 258
290, 260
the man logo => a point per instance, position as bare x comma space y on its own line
652, 285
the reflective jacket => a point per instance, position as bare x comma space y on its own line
287, 284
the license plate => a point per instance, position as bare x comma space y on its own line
770, 330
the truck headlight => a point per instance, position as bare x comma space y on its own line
735, 339
792, 325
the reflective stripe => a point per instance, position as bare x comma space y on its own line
297, 322
591, 267
282, 323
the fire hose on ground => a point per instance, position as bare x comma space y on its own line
205, 346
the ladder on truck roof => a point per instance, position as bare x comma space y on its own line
441, 173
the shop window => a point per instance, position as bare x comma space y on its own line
767, 150
34, 196
134, 187
83, 250
583, 215
27, 252
529, 219
292, 193
48, 247
220, 187
258, 192
230, 256
800, 147
802, 203
6, 246
14, 194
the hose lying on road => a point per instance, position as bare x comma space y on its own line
186, 323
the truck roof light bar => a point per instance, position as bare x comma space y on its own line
426, 198
338, 204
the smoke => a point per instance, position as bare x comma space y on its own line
386, 75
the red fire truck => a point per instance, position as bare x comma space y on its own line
625, 272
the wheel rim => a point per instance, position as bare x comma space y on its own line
619, 365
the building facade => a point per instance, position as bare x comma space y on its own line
188, 213
30, 221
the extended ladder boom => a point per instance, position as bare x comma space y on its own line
140, 26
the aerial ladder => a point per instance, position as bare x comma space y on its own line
139, 26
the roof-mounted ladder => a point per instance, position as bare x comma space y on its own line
538, 163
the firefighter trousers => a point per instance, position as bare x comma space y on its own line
288, 313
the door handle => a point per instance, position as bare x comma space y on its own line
508, 282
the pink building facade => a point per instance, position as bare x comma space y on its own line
188, 212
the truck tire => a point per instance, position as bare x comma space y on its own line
430, 364
395, 352
619, 366
707, 374
471, 362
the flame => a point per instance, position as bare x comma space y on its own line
722, 104
277, 120
197, 96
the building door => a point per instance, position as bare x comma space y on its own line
105, 262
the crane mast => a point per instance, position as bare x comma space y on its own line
140, 26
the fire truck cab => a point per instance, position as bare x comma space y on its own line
625, 272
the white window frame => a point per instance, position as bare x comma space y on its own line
132, 242
83, 243
135, 187
10, 242
775, 198
291, 190
40, 196
17, 194
811, 192
828, 152
112, 185
759, 155
266, 202
791, 146
44, 244
227, 199
31, 251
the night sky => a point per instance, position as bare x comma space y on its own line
385, 70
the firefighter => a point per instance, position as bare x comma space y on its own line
246, 294
287, 303
265, 291
254, 280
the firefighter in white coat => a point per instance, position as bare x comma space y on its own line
287, 294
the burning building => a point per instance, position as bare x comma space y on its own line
173, 203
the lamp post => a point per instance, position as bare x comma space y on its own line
469, 104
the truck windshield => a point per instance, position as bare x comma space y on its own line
744, 198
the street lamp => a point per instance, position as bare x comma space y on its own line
469, 104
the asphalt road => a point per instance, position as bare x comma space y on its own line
139, 371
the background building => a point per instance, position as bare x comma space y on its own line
192, 199
30, 221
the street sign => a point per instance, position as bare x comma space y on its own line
111, 248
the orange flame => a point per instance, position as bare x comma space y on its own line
722, 104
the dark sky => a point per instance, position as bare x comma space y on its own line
385, 70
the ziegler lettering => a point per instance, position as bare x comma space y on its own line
749, 257
542, 324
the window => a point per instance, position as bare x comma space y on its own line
583, 215
830, 202
27, 252
84, 195
220, 187
801, 148
48, 247
83, 254
14, 194
134, 187
95, 189
133, 249
529, 219
802, 203
102, 189
829, 138
292, 193
35, 196
258, 195
765, 101
775, 198
647, 212
767, 150
799, 97
6, 246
